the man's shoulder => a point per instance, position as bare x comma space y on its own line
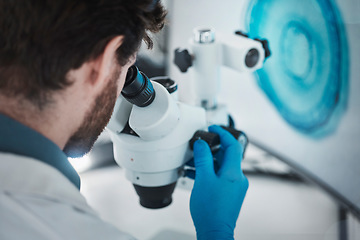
25, 175
37, 202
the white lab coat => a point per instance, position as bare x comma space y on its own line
38, 202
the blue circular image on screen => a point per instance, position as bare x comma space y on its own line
306, 77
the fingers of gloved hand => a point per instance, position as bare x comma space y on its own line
232, 154
226, 139
219, 156
232, 161
190, 173
245, 183
203, 160
216, 166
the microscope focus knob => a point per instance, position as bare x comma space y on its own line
212, 139
264, 43
266, 46
183, 59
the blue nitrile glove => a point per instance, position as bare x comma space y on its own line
217, 197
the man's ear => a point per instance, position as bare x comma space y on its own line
105, 64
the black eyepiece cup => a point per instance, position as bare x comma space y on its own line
138, 89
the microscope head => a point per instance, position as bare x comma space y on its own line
151, 131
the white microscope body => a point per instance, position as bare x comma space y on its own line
156, 156
151, 130
205, 58
152, 143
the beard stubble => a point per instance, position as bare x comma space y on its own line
82, 141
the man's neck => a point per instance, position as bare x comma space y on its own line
42, 121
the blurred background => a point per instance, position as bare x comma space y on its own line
301, 112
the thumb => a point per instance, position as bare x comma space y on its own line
203, 159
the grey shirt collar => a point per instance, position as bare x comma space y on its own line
19, 139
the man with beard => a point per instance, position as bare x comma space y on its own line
62, 66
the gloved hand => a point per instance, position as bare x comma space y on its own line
217, 197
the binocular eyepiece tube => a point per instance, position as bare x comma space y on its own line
138, 89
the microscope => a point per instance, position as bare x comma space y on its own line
153, 133
207, 54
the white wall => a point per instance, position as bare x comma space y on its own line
333, 160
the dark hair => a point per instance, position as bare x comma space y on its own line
41, 40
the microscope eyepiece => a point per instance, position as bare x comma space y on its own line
138, 89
